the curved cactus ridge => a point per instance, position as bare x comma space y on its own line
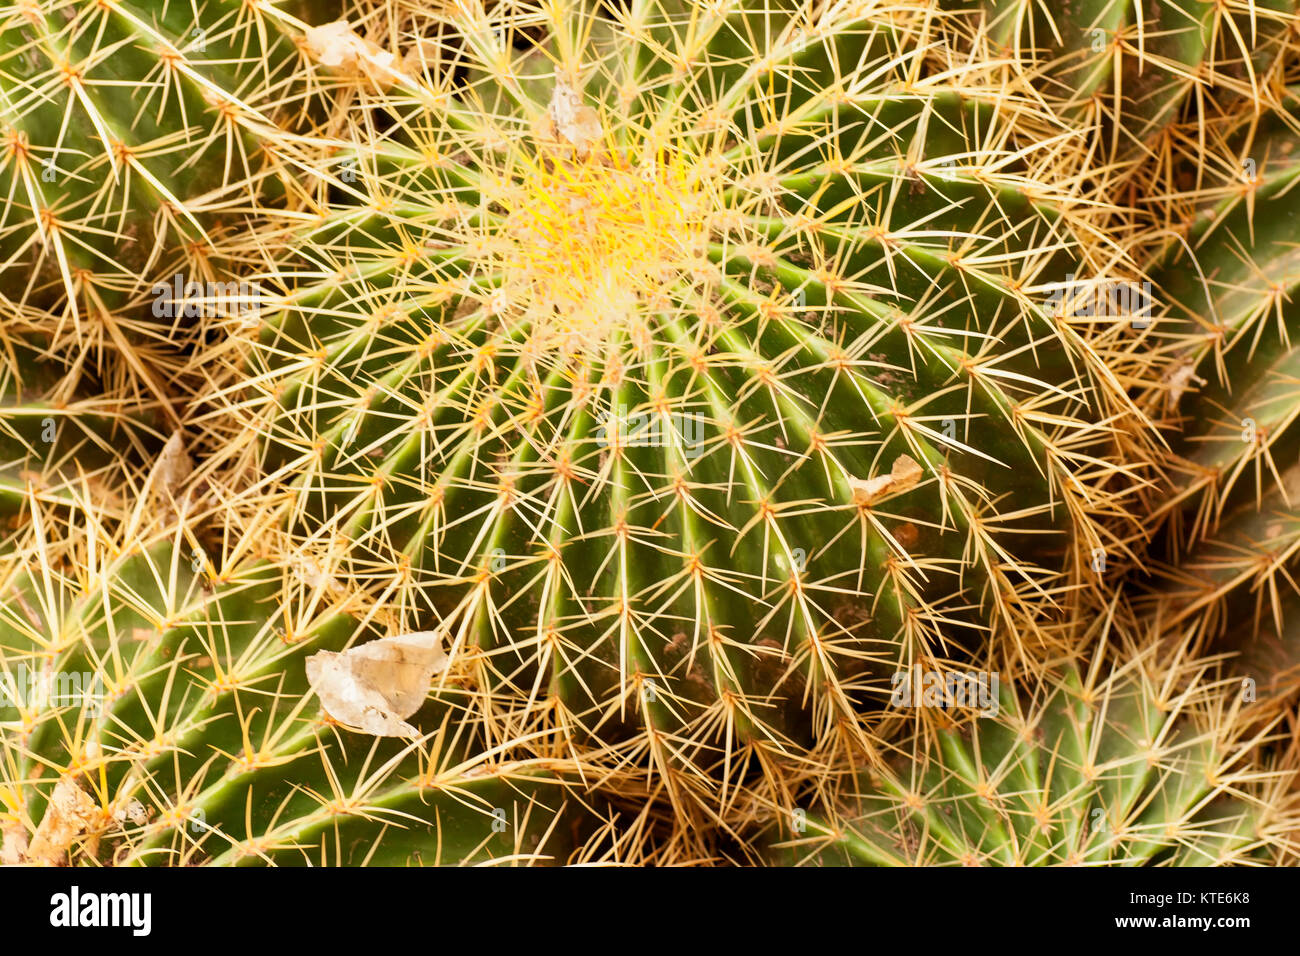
124, 126
1232, 340
1123, 764
157, 714
693, 364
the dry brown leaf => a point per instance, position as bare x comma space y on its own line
173, 466
376, 686
1180, 380
904, 474
14, 848
337, 45
573, 122
69, 813
134, 811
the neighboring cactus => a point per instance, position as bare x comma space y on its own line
152, 714
1148, 78
62, 446
1123, 764
691, 367
1231, 342
1138, 66
122, 124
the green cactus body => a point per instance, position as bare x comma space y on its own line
169, 722
1233, 332
696, 400
124, 125
1119, 772
53, 445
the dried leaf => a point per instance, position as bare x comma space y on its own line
338, 45
14, 849
69, 813
573, 122
904, 474
173, 466
133, 811
376, 686
1180, 380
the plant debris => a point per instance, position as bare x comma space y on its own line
338, 46
375, 687
70, 812
903, 476
571, 121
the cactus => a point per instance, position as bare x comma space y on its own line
1149, 79
1139, 66
693, 372
1231, 347
156, 711
61, 445
690, 366
121, 123
1124, 763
